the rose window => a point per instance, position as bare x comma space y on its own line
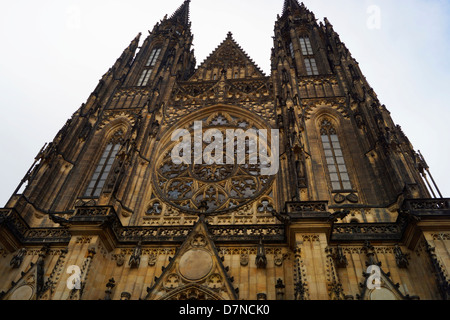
211, 187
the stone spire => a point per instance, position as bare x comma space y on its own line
291, 5
181, 15
298, 9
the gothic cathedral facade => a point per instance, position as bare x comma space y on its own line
351, 213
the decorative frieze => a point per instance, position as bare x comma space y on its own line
310, 238
83, 240
440, 236
367, 231
299, 207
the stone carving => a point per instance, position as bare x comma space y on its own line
279, 288
261, 260
442, 278
261, 296
215, 281
400, 257
199, 241
50, 284
40, 269
244, 259
125, 296
213, 187
17, 259
340, 258
135, 258
172, 281
279, 258
353, 198
335, 289
120, 260
195, 264
109, 287
152, 260
306, 207
301, 291
441, 236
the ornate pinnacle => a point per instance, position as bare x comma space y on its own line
181, 15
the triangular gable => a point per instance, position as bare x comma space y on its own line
196, 272
27, 287
227, 55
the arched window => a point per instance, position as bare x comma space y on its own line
308, 55
104, 166
149, 66
337, 168
291, 50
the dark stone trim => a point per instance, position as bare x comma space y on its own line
107, 219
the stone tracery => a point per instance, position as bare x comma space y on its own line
215, 188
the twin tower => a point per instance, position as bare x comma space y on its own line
105, 212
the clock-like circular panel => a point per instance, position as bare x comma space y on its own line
195, 264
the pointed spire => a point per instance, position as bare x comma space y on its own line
135, 43
128, 53
181, 15
294, 7
291, 5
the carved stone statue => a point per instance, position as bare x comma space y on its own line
135, 258
400, 257
261, 259
17, 260
340, 258
109, 287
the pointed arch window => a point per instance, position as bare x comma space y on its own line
291, 50
149, 66
308, 55
337, 168
305, 44
103, 168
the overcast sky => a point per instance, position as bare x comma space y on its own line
54, 52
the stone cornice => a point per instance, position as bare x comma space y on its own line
414, 218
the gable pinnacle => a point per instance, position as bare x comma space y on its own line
291, 5
230, 42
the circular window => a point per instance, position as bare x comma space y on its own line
231, 180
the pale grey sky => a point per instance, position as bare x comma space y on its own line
54, 52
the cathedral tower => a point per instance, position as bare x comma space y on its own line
106, 207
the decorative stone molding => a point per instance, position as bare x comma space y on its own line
300, 284
441, 236
111, 115
55, 276
366, 231
83, 240
311, 238
335, 290
297, 207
